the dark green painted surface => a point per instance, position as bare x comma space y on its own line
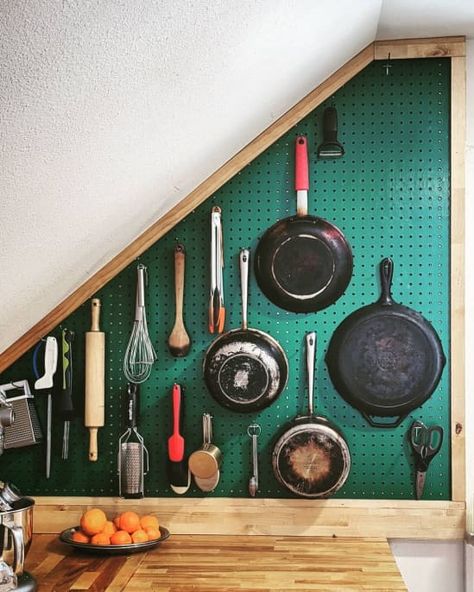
389, 195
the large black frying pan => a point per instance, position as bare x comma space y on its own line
385, 359
311, 458
303, 263
245, 369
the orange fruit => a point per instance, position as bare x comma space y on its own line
140, 536
129, 521
120, 538
117, 521
93, 521
100, 539
153, 533
149, 521
109, 528
79, 537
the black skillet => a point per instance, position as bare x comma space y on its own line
303, 263
245, 369
385, 359
311, 458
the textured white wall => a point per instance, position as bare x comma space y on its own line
111, 112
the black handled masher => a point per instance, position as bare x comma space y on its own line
133, 460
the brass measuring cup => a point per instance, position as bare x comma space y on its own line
205, 462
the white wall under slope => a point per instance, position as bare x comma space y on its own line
111, 112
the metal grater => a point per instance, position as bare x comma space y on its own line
133, 463
25, 429
131, 469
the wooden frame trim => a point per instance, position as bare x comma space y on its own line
458, 132
435, 47
275, 517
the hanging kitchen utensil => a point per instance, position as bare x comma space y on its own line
311, 458
303, 263
253, 432
140, 354
204, 463
45, 382
385, 359
426, 443
216, 297
330, 147
245, 369
178, 469
94, 407
179, 341
65, 402
133, 460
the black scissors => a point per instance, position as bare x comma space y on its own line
426, 443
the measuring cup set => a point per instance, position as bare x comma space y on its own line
205, 462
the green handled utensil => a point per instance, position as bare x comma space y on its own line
66, 406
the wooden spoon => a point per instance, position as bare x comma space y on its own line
179, 342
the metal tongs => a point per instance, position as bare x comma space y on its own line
216, 299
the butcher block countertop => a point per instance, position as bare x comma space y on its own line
201, 563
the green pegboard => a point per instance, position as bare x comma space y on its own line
390, 196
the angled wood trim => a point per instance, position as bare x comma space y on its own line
437, 47
290, 517
458, 141
188, 204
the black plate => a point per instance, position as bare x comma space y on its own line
65, 537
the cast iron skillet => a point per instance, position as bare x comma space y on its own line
245, 369
385, 359
311, 458
303, 263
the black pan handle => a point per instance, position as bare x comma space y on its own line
377, 424
386, 275
132, 405
330, 124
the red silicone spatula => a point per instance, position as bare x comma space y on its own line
178, 472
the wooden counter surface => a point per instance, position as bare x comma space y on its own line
201, 563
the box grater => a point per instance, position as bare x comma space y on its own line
25, 429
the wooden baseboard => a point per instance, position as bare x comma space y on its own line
442, 520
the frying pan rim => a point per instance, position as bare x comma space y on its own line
253, 405
266, 279
363, 315
313, 424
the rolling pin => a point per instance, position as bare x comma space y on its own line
95, 371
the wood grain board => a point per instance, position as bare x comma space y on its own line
222, 564
275, 517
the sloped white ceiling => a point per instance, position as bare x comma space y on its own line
111, 112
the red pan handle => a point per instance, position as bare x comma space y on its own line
301, 164
301, 175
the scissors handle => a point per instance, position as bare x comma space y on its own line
426, 443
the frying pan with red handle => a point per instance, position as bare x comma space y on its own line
303, 263
385, 359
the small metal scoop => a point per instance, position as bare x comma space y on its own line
254, 431
330, 147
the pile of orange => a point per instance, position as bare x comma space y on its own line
127, 527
